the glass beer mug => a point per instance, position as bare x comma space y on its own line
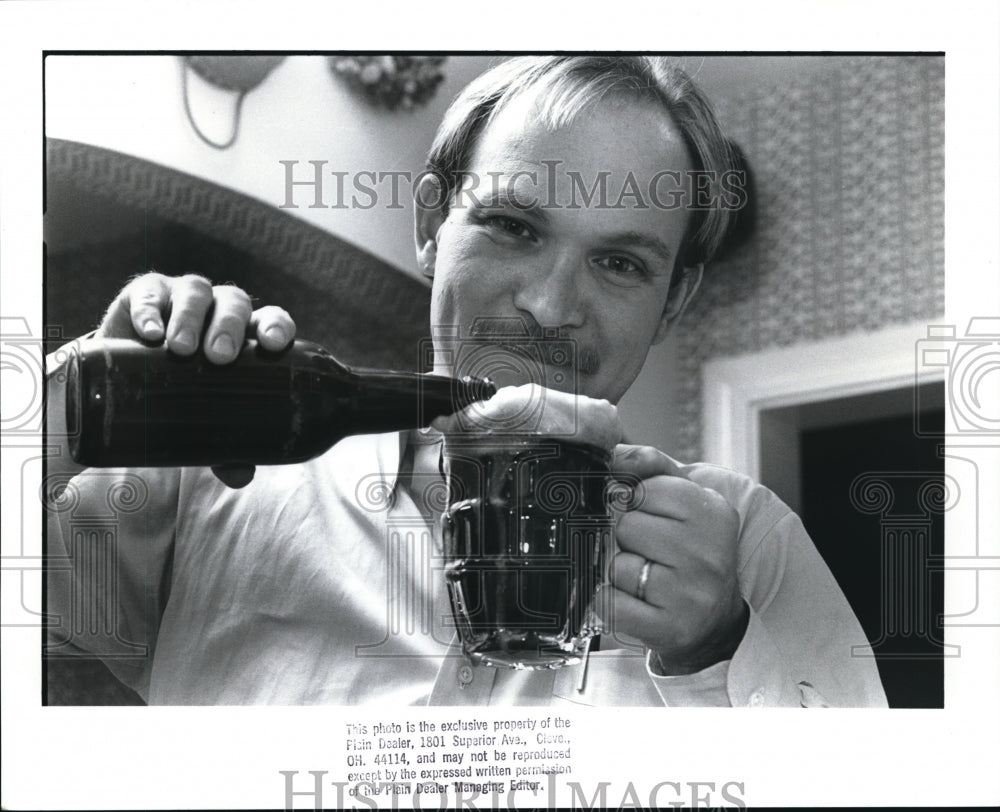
525, 537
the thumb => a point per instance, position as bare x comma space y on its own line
234, 476
644, 462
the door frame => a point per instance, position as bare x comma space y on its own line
735, 391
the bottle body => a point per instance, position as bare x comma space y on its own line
130, 404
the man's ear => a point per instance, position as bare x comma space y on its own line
429, 214
678, 298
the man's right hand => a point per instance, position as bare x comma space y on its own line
190, 313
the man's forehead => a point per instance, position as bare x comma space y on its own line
616, 133
617, 153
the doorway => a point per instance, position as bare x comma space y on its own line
830, 426
862, 480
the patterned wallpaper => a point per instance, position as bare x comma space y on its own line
849, 169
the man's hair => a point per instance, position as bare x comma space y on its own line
565, 85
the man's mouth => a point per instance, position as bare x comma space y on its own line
499, 327
550, 353
513, 350
548, 363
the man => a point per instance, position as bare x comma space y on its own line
299, 588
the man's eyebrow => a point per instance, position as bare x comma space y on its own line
635, 239
500, 198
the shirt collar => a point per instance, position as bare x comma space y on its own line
396, 452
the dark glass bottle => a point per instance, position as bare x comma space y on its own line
131, 404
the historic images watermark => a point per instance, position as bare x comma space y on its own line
313, 184
82, 515
910, 504
969, 361
23, 436
906, 503
548, 791
967, 358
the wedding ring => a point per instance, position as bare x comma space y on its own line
640, 592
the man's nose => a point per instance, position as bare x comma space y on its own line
551, 292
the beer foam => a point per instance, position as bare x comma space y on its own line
532, 410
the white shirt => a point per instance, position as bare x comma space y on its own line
322, 583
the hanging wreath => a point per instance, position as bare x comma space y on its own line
392, 82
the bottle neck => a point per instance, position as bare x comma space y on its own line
393, 401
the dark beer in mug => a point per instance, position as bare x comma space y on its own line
524, 537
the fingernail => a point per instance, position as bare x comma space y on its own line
151, 327
186, 339
276, 334
224, 345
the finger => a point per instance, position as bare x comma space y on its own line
677, 545
644, 461
673, 497
190, 299
652, 537
234, 476
626, 575
511, 409
273, 327
228, 324
138, 310
534, 410
628, 615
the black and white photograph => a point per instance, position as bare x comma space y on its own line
407, 423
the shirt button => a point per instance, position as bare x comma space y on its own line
757, 698
465, 676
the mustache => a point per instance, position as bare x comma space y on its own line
551, 343
510, 327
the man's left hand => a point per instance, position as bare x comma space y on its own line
691, 614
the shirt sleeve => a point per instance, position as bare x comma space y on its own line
109, 537
703, 689
803, 646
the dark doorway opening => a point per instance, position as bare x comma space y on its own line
868, 488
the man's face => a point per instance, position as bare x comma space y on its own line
525, 247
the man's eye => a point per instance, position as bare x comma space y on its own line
509, 226
621, 266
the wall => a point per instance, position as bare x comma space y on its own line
301, 112
849, 164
